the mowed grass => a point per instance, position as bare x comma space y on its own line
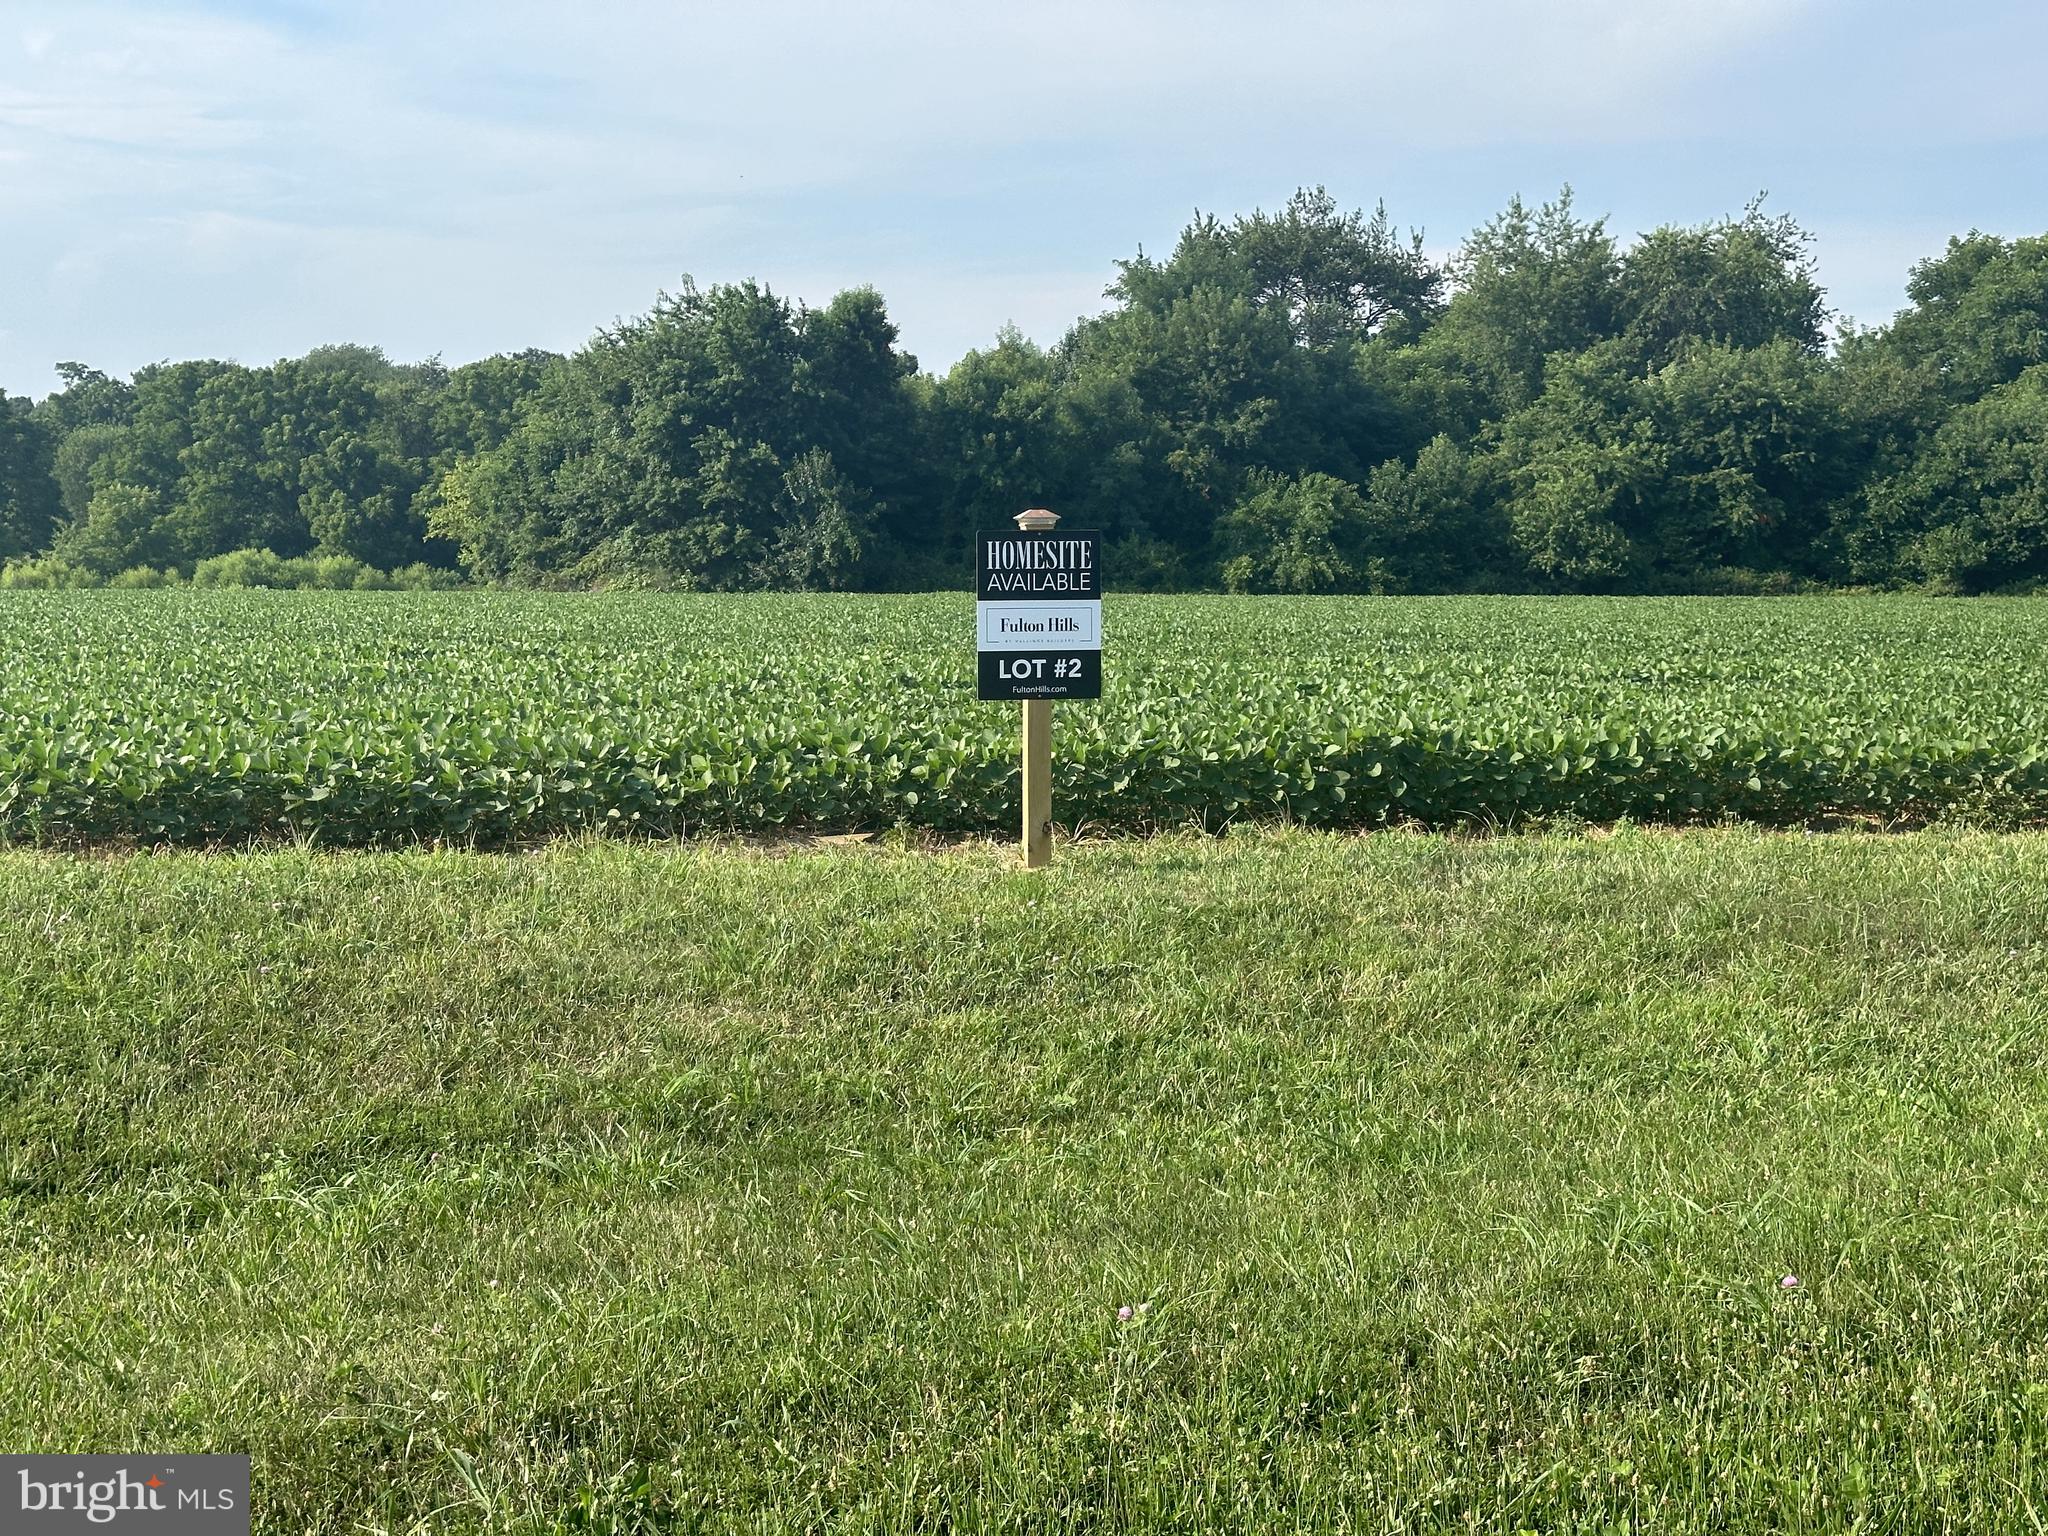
1448, 1183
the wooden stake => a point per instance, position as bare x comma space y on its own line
1037, 783
1037, 742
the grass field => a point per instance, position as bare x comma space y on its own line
500, 717
1277, 1182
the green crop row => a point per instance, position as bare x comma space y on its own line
373, 717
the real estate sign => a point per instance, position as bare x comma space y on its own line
1038, 614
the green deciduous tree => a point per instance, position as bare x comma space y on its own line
1743, 282
1531, 283
123, 526
29, 501
1979, 314
1295, 534
1437, 525
80, 462
825, 529
1621, 481
89, 398
663, 452
1971, 513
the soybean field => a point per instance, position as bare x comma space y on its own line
367, 718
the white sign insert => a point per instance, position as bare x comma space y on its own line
1041, 626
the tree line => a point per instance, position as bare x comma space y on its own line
1297, 401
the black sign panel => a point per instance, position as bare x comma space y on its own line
1038, 614
1041, 674
1041, 565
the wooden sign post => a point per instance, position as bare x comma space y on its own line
1037, 839
1038, 607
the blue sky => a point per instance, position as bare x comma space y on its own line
246, 179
